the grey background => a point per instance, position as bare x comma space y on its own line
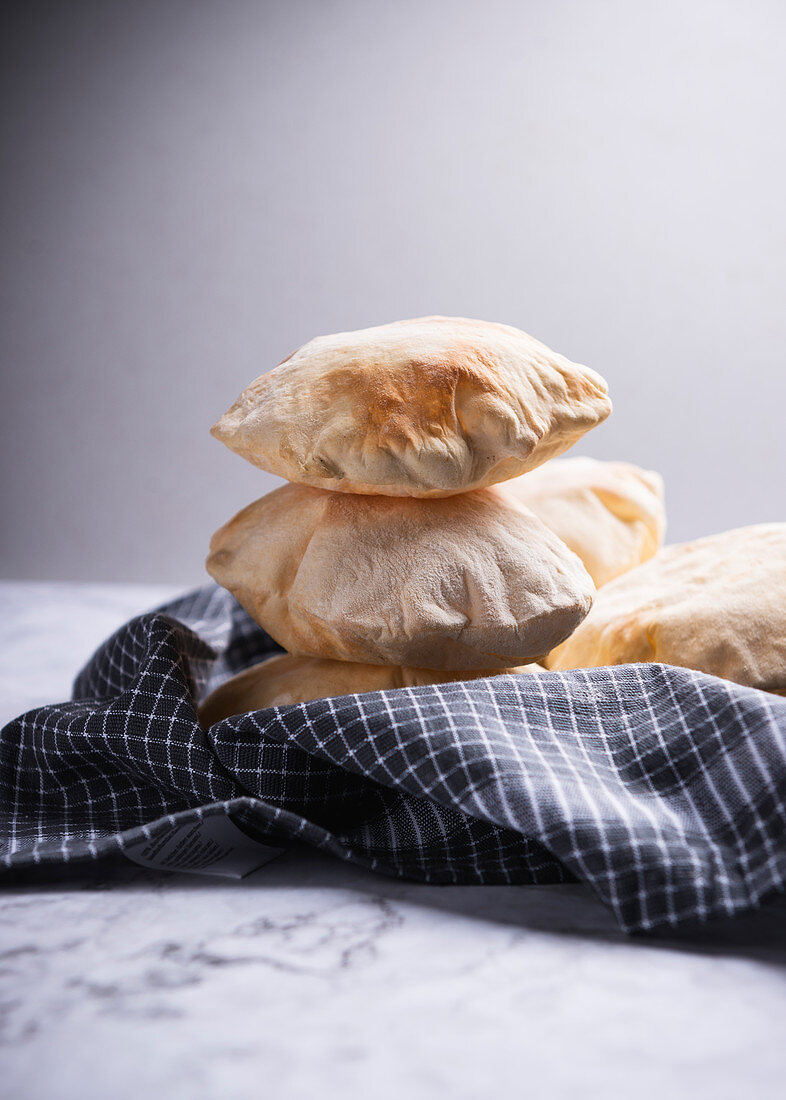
191, 190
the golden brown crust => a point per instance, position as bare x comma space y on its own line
717, 605
429, 407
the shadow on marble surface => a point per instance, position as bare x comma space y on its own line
569, 911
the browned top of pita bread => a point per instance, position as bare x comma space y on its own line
427, 408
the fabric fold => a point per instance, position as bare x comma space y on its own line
661, 788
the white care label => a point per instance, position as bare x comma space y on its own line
210, 846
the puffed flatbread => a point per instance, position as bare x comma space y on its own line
282, 680
424, 408
611, 514
717, 605
467, 582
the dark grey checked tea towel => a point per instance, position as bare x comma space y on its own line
661, 788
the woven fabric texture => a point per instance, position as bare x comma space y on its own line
661, 788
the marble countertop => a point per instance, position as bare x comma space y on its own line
315, 979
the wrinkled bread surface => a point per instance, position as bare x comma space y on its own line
427, 408
467, 582
282, 680
717, 605
611, 514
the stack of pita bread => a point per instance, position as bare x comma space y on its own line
416, 541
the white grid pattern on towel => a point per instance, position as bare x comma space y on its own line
661, 788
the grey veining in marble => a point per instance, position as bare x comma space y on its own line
314, 979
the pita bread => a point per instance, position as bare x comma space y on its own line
468, 582
424, 408
717, 605
609, 513
283, 680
